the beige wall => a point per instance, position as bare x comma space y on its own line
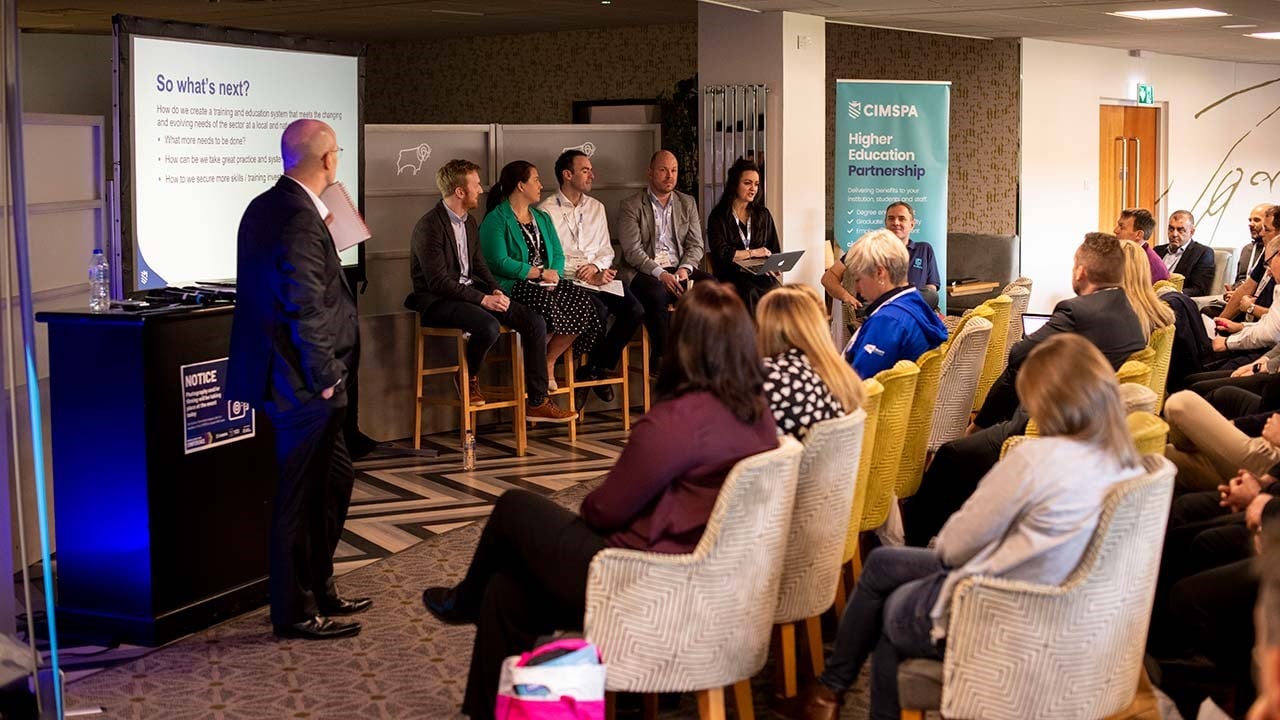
530, 78
984, 75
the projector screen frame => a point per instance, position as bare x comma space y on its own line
124, 28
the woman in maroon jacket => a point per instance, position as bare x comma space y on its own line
529, 573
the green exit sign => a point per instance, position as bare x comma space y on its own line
1146, 94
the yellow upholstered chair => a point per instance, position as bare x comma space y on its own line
1161, 347
1021, 298
996, 358
1149, 433
872, 391
919, 423
1133, 371
1177, 281
1161, 286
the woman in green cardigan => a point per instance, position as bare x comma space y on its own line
520, 245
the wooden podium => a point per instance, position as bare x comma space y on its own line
162, 508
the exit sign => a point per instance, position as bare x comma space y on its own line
1146, 94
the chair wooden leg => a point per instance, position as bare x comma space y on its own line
417, 407
842, 594
742, 701
518, 390
573, 402
711, 704
912, 715
787, 657
813, 633
857, 564
644, 364
464, 391
610, 705
626, 390
649, 706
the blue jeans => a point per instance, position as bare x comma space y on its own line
888, 614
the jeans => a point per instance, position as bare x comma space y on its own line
888, 614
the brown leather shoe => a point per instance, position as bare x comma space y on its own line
547, 412
818, 702
477, 397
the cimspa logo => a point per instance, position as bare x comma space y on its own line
855, 109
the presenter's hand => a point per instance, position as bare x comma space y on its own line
328, 392
496, 302
673, 284
761, 252
607, 275
1242, 371
682, 274
550, 276
587, 272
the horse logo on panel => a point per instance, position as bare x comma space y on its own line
412, 158
587, 148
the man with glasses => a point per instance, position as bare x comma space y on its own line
1183, 255
1251, 299
294, 340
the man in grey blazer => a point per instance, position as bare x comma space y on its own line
660, 231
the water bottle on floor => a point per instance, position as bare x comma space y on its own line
469, 451
99, 283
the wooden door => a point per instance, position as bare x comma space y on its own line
1128, 143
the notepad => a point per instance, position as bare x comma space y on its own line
346, 226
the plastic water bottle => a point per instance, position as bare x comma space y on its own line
99, 283
469, 451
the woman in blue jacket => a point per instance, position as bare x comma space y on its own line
900, 325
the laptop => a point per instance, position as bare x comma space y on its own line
1032, 322
777, 262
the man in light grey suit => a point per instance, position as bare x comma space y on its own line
660, 232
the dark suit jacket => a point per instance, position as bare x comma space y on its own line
1104, 318
295, 331
434, 264
723, 239
1197, 265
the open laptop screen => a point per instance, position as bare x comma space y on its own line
1032, 322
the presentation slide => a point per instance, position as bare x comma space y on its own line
206, 127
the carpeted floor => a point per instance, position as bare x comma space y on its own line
403, 664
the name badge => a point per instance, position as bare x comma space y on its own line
664, 259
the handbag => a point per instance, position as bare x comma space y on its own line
559, 680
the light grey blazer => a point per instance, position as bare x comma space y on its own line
637, 237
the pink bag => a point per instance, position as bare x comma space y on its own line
570, 687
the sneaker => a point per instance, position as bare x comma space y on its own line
477, 397
547, 412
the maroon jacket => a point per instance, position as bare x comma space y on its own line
659, 494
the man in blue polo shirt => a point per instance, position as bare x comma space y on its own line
922, 272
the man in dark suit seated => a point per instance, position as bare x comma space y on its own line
1100, 312
453, 288
294, 340
1183, 255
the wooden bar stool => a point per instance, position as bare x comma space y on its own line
642, 344
511, 397
571, 383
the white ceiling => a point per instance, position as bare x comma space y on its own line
1076, 21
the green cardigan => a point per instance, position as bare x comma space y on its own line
504, 249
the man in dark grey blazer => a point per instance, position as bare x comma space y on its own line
294, 340
660, 231
453, 288
1190, 259
1101, 313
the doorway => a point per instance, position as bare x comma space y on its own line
1128, 152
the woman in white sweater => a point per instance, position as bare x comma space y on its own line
1030, 519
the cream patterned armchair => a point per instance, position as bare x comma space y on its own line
1018, 650
700, 621
824, 498
1021, 297
966, 351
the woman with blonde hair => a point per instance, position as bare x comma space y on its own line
806, 380
1152, 312
1030, 519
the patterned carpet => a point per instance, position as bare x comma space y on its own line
411, 527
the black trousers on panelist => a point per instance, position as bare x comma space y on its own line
655, 298
313, 491
528, 578
485, 326
627, 314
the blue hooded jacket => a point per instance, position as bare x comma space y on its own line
904, 327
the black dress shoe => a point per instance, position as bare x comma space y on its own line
442, 602
346, 606
318, 628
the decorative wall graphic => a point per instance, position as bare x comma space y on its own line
587, 148
412, 158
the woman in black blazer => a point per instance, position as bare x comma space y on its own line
740, 227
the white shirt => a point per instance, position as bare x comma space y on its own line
1171, 256
459, 225
1254, 336
583, 230
320, 206
664, 228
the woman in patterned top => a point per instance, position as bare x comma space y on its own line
520, 245
806, 380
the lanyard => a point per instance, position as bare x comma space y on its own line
534, 237
746, 238
574, 230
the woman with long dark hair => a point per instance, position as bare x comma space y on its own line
528, 576
521, 247
740, 228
